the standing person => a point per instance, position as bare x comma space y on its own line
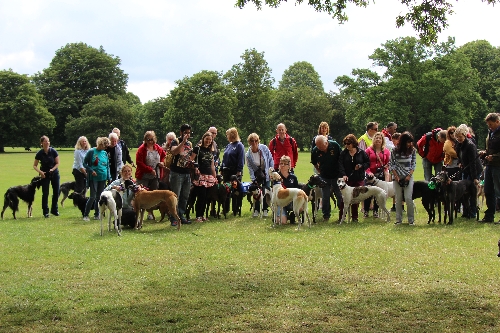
283, 144
180, 177
289, 180
395, 140
388, 131
167, 147
352, 165
79, 172
450, 154
115, 156
125, 151
259, 160
402, 167
204, 174
233, 160
430, 148
379, 157
48, 170
325, 158
149, 158
365, 140
323, 129
97, 164
491, 157
216, 150
469, 164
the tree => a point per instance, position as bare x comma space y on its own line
24, 117
202, 100
77, 73
301, 103
252, 83
427, 17
149, 117
98, 118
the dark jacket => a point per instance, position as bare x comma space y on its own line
493, 147
125, 153
467, 154
347, 164
327, 162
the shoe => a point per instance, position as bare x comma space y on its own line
204, 219
86, 218
184, 221
255, 213
173, 224
411, 223
46, 216
96, 218
151, 217
375, 215
265, 213
393, 209
397, 222
486, 220
326, 218
354, 220
365, 214
55, 213
199, 219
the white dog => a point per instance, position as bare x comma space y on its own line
354, 195
111, 200
257, 197
283, 196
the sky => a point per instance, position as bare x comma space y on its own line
161, 41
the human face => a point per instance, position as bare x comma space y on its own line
392, 129
214, 133
372, 131
83, 143
323, 130
46, 143
207, 140
377, 141
113, 142
284, 166
281, 131
126, 173
460, 137
150, 141
254, 144
493, 125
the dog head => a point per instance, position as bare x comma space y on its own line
235, 181
37, 181
316, 180
274, 176
341, 183
370, 178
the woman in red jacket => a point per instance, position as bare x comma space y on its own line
149, 159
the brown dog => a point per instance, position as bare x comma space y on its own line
148, 199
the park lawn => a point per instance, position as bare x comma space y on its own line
240, 274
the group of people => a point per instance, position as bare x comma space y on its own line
385, 154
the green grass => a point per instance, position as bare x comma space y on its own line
241, 275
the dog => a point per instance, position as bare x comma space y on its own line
64, 189
455, 191
388, 187
148, 199
237, 194
24, 192
283, 196
217, 195
79, 200
112, 201
256, 194
430, 197
480, 194
354, 195
314, 182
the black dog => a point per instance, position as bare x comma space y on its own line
217, 194
24, 192
64, 189
456, 191
79, 200
236, 194
430, 197
314, 181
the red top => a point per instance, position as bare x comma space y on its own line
288, 148
140, 160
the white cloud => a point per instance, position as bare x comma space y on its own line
149, 90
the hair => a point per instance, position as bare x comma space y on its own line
113, 135
43, 138
451, 129
212, 128
462, 129
149, 133
102, 142
396, 136
350, 139
79, 143
202, 142
471, 131
285, 158
126, 166
253, 136
170, 135
185, 127
371, 125
116, 130
324, 124
441, 134
403, 141
391, 124
379, 134
494, 117
232, 133
280, 125
321, 138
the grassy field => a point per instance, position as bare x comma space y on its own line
241, 275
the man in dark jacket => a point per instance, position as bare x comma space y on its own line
491, 158
430, 147
125, 151
325, 158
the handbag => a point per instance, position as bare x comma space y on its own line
379, 173
259, 174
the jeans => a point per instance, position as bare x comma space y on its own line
428, 168
331, 185
407, 192
46, 182
491, 190
180, 184
96, 188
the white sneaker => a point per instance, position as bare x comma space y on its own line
86, 218
255, 213
265, 213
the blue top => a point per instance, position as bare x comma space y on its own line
266, 155
79, 155
97, 160
48, 160
234, 157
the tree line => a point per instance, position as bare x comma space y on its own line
83, 92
